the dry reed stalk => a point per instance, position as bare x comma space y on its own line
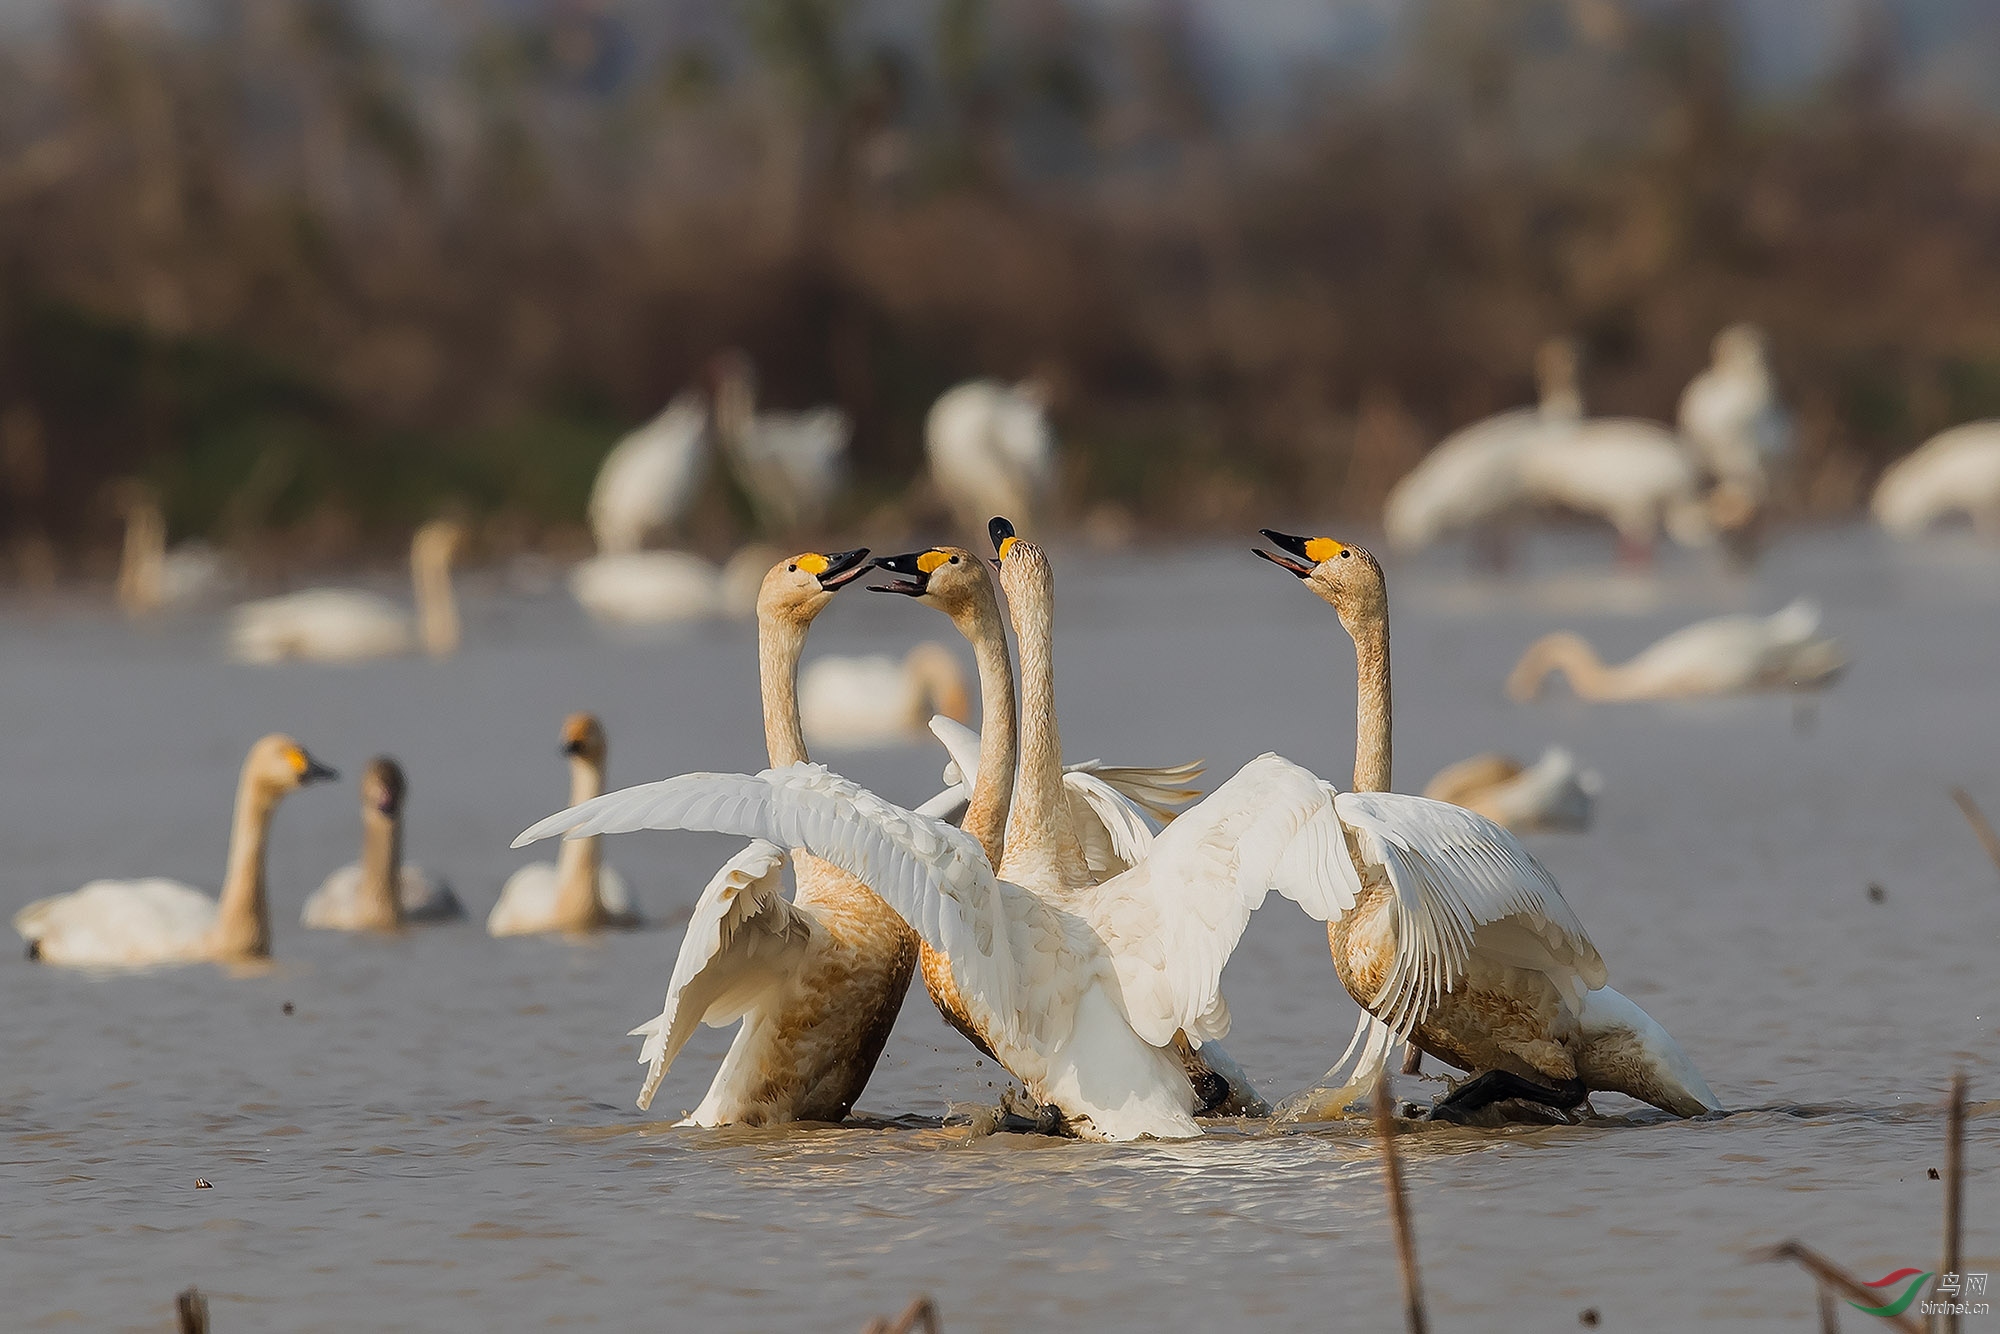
1954, 1180
1833, 1276
1987, 838
1829, 1314
191, 1309
921, 1311
1399, 1210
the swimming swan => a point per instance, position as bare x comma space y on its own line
348, 625
1552, 793
879, 700
1719, 656
380, 892
577, 893
151, 578
817, 981
1954, 472
1448, 931
136, 922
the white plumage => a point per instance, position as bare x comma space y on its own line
1956, 472
1633, 474
1554, 792
647, 587
349, 625
424, 898
791, 464
1082, 1000
991, 451
651, 478
527, 902
1471, 478
1732, 418
1721, 655
877, 700
120, 922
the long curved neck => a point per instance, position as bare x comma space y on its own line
1040, 841
243, 914
780, 643
578, 905
379, 894
144, 557
993, 786
1373, 752
437, 604
1570, 654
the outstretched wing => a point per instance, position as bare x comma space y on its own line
742, 942
1172, 921
1461, 881
933, 875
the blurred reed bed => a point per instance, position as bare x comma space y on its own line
313, 286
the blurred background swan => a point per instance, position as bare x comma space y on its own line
1719, 656
1954, 473
136, 922
154, 578
790, 464
380, 892
1732, 419
651, 478
992, 451
878, 700
349, 624
577, 893
1553, 793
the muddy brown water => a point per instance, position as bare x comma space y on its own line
440, 1134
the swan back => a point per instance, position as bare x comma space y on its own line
1954, 472
324, 624
651, 477
646, 587
119, 922
1469, 478
990, 449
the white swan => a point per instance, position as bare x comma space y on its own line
1732, 418
1552, 793
879, 700
646, 587
817, 981
348, 625
136, 922
1719, 656
1447, 931
1955, 472
1633, 474
380, 892
578, 893
791, 464
651, 478
991, 450
152, 578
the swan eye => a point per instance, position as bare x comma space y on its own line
793, 567
1345, 553
954, 560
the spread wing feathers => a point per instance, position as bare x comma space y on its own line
1111, 829
933, 875
1160, 790
742, 942
1171, 922
1461, 882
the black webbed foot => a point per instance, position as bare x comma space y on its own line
1463, 1103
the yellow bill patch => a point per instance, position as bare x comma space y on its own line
297, 759
930, 560
1323, 548
1007, 545
812, 563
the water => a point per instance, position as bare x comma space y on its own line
440, 1135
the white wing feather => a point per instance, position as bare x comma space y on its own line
742, 941
1457, 875
934, 876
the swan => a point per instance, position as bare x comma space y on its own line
1103, 809
879, 700
791, 464
991, 450
348, 625
646, 587
1633, 474
380, 892
1732, 418
151, 578
1448, 931
577, 893
1552, 793
1472, 477
651, 478
817, 981
137, 922
1955, 472
1719, 656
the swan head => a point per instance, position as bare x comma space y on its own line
798, 589
279, 765
382, 789
1024, 567
583, 738
949, 578
439, 541
1740, 347
1345, 576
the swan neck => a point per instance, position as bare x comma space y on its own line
381, 871
1039, 840
1571, 655
142, 563
578, 906
437, 603
243, 912
1373, 752
993, 786
780, 644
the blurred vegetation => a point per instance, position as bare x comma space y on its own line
305, 287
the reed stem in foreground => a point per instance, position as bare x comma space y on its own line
191, 1310
1954, 1183
1833, 1276
1973, 816
1399, 1210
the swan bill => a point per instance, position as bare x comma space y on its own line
915, 567
309, 769
835, 570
